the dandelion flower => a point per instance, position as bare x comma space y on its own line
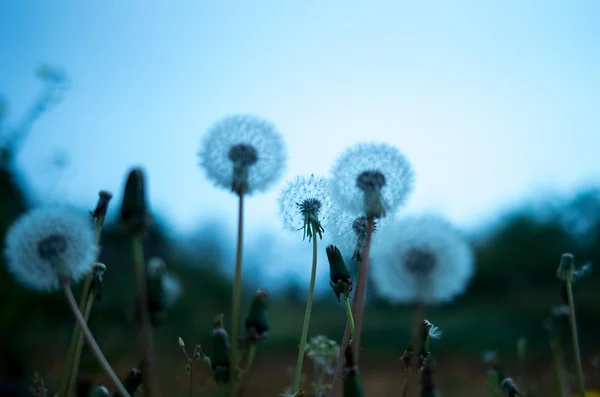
371, 178
421, 259
47, 245
243, 153
305, 204
350, 231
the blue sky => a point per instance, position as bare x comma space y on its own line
491, 101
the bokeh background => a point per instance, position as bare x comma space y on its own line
495, 104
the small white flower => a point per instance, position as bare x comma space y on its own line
371, 177
243, 153
421, 258
47, 244
350, 231
303, 201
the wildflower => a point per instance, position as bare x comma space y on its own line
257, 323
371, 179
243, 153
421, 259
350, 231
48, 245
305, 204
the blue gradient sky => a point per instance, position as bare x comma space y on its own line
492, 101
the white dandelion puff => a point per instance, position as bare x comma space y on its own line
49, 244
305, 203
349, 231
421, 258
371, 178
243, 153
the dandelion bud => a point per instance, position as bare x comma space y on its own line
135, 217
131, 383
352, 384
341, 282
181, 344
100, 391
98, 279
220, 351
99, 213
566, 267
257, 324
509, 387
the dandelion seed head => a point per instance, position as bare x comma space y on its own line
251, 145
368, 168
303, 198
349, 231
421, 258
47, 244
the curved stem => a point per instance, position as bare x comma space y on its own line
573, 323
65, 387
350, 317
78, 350
146, 326
311, 290
237, 301
358, 303
91, 341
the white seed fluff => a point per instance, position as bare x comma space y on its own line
388, 160
343, 232
243, 129
451, 252
298, 191
22, 247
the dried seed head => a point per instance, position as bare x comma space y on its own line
419, 262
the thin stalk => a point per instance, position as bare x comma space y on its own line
77, 357
91, 341
311, 290
76, 336
573, 323
357, 301
417, 334
350, 318
146, 326
237, 301
251, 354
191, 379
560, 373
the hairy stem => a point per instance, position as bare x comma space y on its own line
91, 341
77, 357
237, 301
573, 323
350, 317
358, 302
64, 390
311, 290
146, 326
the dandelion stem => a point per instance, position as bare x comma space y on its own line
560, 373
77, 357
65, 387
146, 327
417, 336
91, 341
191, 379
311, 290
357, 301
251, 354
573, 323
236, 304
350, 318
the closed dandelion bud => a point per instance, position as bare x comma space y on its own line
257, 324
102, 206
135, 216
100, 391
220, 351
341, 282
131, 383
509, 387
566, 267
352, 384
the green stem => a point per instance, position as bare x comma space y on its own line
311, 290
146, 326
77, 357
573, 323
76, 336
91, 341
350, 317
237, 301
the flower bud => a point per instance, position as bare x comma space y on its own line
181, 344
135, 217
341, 282
257, 323
220, 351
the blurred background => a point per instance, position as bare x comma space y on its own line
495, 104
